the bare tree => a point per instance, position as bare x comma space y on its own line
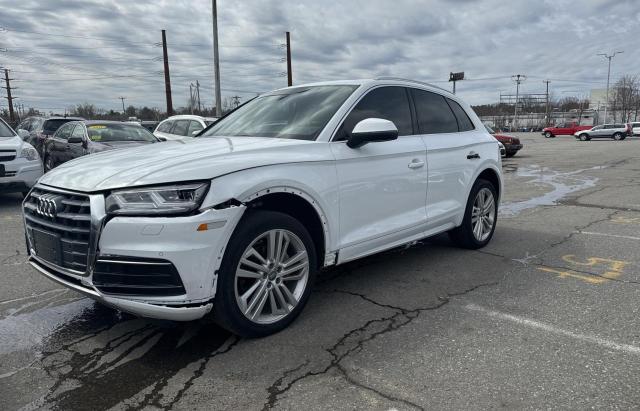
623, 97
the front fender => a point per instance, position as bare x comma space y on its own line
315, 182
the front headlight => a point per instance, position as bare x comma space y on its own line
164, 200
29, 153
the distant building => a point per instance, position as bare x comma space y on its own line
598, 98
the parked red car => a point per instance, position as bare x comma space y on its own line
563, 129
511, 144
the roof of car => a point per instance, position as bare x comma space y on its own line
379, 80
190, 117
89, 122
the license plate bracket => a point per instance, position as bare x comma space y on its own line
47, 246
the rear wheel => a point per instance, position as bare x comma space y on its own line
548, 134
511, 153
480, 217
266, 274
618, 136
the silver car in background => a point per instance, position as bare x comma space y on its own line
618, 131
181, 126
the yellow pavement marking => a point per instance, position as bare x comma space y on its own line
612, 269
625, 220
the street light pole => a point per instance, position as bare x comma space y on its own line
606, 106
518, 78
216, 62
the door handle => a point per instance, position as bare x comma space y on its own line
415, 163
472, 155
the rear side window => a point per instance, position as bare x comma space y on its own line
165, 127
434, 114
51, 126
180, 128
464, 122
389, 103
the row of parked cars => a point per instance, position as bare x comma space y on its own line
40, 144
615, 131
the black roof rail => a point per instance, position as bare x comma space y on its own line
411, 81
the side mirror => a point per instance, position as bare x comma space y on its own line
195, 132
23, 133
371, 130
74, 140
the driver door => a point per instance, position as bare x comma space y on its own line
382, 185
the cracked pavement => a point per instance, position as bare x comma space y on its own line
546, 316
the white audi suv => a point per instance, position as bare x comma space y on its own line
239, 220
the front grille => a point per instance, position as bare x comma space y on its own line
69, 225
7, 155
137, 276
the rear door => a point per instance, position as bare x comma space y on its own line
452, 155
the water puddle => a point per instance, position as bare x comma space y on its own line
561, 183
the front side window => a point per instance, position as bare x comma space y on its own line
65, 131
293, 113
78, 132
434, 114
389, 103
194, 126
108, 132
181, 127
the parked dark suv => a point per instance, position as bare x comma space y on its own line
35, 130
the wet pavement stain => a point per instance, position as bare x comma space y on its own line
96, 358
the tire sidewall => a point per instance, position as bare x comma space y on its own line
466, 222
252, 225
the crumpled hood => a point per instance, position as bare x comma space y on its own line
180, 160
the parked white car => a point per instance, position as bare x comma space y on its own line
240, 219
635, 128
182, 126
20, 165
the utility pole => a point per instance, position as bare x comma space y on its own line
167, 78
198, 94
216, 59
190, 98
289, 73
122, 98
518, 78
546, 110
7, 80
608, 78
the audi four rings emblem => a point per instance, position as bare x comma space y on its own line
47, 205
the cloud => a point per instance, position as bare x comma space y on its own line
64, 52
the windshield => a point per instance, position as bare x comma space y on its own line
104, 133
296, 113
489, 129
5, 131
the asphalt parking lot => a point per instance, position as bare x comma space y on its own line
546, 316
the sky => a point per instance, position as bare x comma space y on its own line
64, 52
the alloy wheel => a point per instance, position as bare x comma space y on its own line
271, 276
483, 214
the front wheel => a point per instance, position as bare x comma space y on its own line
548, 134
266, 275
584, 137
480, 217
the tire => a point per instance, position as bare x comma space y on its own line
548, 134
584, 137
511, 153
236, 279
618, 136
464, 236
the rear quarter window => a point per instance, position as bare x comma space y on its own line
165, 127
464, 122
51, 126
